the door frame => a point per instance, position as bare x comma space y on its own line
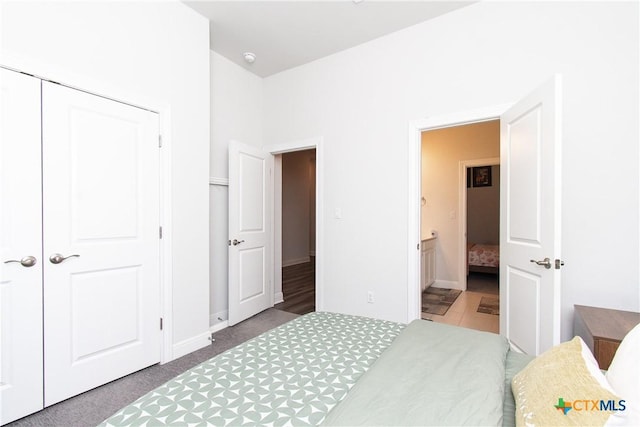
315, 143
462, 208
103, 89
414, 175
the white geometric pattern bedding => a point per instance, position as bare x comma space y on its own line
292, 375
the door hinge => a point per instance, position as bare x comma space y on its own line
160, 232
161, 324
418, 246
160, 141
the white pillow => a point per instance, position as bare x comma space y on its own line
624, 375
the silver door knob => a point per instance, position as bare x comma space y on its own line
237, 242
58, 258
546, 263
28, 261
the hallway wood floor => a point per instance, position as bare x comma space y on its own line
299, 288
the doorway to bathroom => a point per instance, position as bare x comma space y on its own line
460, 208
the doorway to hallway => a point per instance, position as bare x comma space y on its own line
298, 207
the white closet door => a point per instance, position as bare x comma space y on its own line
20, 238
101, 221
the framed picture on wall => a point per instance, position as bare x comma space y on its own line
482, 176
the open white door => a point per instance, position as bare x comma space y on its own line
20, 247
530, 139
250, 258
101, 240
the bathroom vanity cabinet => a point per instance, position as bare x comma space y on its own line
428, 263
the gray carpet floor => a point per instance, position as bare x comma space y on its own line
94, 406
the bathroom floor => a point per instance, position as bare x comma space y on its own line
464, 311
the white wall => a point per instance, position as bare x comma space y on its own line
147, 53
236, 113
362, 100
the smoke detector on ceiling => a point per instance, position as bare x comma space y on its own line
250, 57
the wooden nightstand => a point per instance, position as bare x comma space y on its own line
602, 329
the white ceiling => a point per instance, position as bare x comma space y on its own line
285, 34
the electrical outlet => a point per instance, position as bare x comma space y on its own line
370, 298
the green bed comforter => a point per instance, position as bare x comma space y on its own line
333, 369
433, 374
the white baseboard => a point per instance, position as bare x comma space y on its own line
278, 298
190, 345
219, 326
448, 284
291, 262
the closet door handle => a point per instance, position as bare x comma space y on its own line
58, 258
28, 261
546, 263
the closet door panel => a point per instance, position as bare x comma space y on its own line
20, 237
101, 215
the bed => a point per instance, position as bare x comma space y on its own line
483, 258
336, 369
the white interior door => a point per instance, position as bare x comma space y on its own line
530, 220
20, 247
101, 218
250, 200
